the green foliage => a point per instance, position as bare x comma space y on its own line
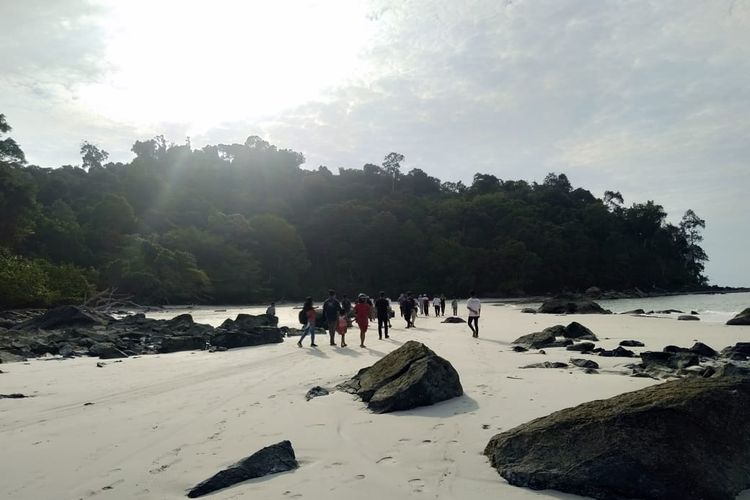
36, 282
236, 223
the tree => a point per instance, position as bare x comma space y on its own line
92, 156
690, 228
613, 200
10, 152
392, 166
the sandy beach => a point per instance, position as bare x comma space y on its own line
154, 426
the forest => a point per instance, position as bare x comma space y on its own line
245, 223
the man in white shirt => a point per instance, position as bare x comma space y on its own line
475, 307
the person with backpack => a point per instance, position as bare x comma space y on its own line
309, 315
383, 308
331, 311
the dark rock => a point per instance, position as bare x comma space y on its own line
584, 363
406, 378
671, 360
632, 343
561, 343
453, 319
180, 322
270, 460
556, 330
685, 439
674, 349
9, 357
738, 352
590, 371
101, 365
576, 330
519, 348
571, 306
581, 347
257, 336
249, 322
731, 370
15, 395
702, 349
743, 318
617, 352
546, 364
63, 317
634, 311
670, 311
688, 317
593, 292
316, 392
106, 351
536, 340
528, 310
182, 343
694, 313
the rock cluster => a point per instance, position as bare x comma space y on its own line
406, 378
74, 331
575, 305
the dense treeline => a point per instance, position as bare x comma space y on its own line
243, 222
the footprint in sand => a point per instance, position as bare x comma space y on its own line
417, 485
386, 460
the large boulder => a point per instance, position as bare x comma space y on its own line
575, 330
536, 340
63, 317
408, 377
686, 439
571, 306
249, 322
244, 338
738, 352
742, 318
671, 360
270, 460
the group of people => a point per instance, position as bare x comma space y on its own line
338, 313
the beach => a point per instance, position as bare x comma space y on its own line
154, 426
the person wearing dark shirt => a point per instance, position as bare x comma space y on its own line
331, 311
383, 309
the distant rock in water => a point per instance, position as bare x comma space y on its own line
634, 311
406, 378
742, 318
270, 460
571, 306
632, 343
688, 317
453, 319
686, 439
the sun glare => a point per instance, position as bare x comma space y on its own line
204, 63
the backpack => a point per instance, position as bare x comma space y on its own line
302, 317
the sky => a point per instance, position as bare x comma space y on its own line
649, 98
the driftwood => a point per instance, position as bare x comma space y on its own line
108, 299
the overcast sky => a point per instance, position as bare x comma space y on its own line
649, 98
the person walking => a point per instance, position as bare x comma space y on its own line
331, 311
413, 307
341, 328
436, 305
454, 305
309, 310
442, 304
382, 307
475, 307
362, 317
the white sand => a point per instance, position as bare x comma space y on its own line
160, 424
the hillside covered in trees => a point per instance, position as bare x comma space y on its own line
238, 223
